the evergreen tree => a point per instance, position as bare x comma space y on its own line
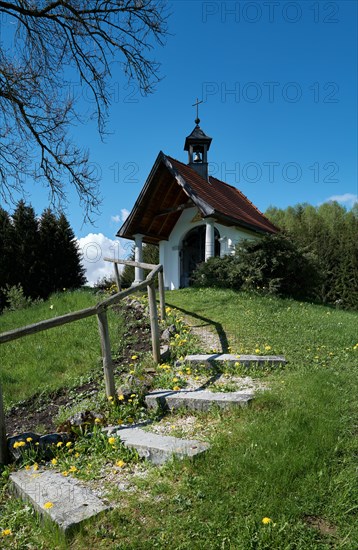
25, 250
48, 252
7, 261
70, 273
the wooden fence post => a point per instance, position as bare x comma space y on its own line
154, 322
3, 439
161, 294
106, 354
118, 279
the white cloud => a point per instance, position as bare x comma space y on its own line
124, 214
348, 199
96, 246
120, 218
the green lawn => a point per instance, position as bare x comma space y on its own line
56, 357
289, 457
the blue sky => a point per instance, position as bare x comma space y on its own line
279, 86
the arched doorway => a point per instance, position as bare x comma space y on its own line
192, 252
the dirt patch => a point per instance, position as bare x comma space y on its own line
322, 525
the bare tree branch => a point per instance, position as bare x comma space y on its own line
36, 108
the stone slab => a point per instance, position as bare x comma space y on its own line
245, 360
198, 400
72, 502
159, 448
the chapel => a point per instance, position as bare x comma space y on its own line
189, 214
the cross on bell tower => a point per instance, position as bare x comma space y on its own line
198, 144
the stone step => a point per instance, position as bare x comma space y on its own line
245, 360
72, 502
158, 448
199, 400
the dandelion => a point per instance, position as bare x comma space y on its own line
29, 439
54, 461
111, 440
110, 398
120, 463
266, 520
6, 532
27, 467
59, 444
48, 505
97, 420
134, 357
133, 395
35, 466
77, 455
257, 350
121, 397
19, 444
176, 388
267, 348
175, 379
72, 469
51, 306
65, 473
69, 444
130, 420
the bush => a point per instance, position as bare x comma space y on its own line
15, 298
218, 272
273, 265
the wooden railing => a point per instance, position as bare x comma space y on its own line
156, 271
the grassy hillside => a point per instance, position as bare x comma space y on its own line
280, 474
54, 358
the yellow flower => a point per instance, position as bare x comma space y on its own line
35, 466
121, 397
19, 444
48, 505
51, 306
130, 420
59, 444
72, 469
6, 532
77, 455
266, 520
65, 473
175, 379
69, 444
120, 463
111, 440
257, 350
27, 467
29, 439
110, 398
134, 357
54, 461
97, 420
133, 395
70, 451
176, 388
267, 348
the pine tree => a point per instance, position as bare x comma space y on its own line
48, 252
70, 273
25, 250
6, 263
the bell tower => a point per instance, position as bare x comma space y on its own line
198, 144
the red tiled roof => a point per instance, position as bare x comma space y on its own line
224, 199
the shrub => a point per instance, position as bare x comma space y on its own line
15, 298
273, 264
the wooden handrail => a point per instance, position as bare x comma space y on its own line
101, 311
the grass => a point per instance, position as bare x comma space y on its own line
289, 457
57, 357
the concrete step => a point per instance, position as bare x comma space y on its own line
245, 360
158, 448
72, 502
198, 400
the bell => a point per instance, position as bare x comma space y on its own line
197, 157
